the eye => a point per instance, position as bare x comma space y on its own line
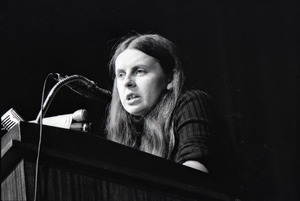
120, 74
140, 71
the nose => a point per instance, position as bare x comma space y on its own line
129, 82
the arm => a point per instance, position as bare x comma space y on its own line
193, 129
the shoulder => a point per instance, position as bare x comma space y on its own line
194, 97
193, 93
194, 104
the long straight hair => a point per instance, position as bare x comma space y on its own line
152, 133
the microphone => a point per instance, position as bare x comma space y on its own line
85, 87
77, 120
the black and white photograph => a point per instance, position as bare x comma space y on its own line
110, 100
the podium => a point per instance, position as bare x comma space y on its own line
77, 166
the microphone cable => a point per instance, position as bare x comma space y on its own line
40, 139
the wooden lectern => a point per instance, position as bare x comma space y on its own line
76, 166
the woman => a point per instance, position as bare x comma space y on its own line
150, 111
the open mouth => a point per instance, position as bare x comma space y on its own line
131, 96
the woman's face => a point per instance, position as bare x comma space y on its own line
140, 81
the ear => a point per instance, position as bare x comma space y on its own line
170, 85
171, 79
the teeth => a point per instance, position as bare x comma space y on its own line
131, 96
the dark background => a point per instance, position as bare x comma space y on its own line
244, 54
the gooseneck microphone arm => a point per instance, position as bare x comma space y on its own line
86, 88
67, 81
